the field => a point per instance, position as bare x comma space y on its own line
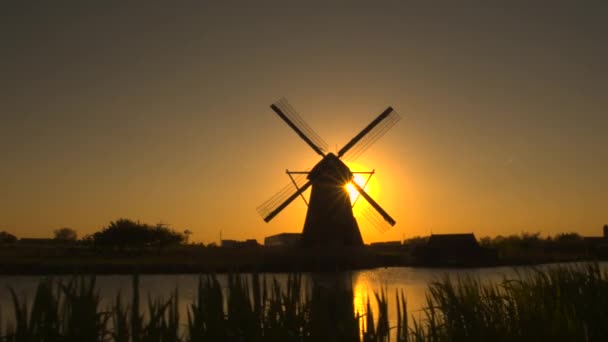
558, 304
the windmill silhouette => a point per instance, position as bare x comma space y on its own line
329, 219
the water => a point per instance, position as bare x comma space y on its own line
412, 281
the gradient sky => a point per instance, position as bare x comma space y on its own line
161, 113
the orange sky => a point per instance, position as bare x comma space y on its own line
162, 114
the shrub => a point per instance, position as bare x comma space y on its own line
126, 233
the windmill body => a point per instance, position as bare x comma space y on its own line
329, 220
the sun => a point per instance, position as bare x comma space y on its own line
352, 191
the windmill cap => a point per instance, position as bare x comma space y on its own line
331, 169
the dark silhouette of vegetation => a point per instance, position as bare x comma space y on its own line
187, 234
528, 241
126, 233
6, 237
566, 237
416, 241
65, 234
552, 304
534, 248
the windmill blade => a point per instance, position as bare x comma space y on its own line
373, 203
286, 112
297, 181
374, 218
269, 209
376, 129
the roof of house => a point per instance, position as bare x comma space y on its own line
452, 241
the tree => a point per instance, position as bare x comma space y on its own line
65, 234
6, 237
485, 241
187, 234
565, 237
125, 232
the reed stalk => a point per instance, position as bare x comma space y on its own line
558, 304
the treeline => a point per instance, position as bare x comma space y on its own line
127, 233
530, 240
121, 233
522, 241
533, 247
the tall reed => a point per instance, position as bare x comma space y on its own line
563, 304
557, 304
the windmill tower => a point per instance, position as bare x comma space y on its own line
329, 219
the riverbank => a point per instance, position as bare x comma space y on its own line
193, 260
187, 259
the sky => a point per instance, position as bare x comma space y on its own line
160, 113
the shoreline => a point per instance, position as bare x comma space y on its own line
221, 260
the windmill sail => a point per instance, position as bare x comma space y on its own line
286, 112
271, 207
369, 135
374, 204
373, 217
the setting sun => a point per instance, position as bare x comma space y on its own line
352, 191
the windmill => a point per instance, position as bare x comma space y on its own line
329, 219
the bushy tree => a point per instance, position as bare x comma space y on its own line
125, 232
566, 237
187, 234
6, 237
65, 234
416, 241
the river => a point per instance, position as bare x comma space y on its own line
412, 281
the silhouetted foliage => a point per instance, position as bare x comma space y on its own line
528, 240
65, 234
124, 232
415, 242
187, 234
523, 241
532, 247
564, 237
87, 239
6, 237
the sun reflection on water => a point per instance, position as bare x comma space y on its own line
362, 291
367, 283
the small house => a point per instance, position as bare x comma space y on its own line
283, 239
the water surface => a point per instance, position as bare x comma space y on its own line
412, 281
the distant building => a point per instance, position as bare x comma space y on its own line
251, 243
283, 239
454, 249
598, 245
239, 244
594, 240
598, 239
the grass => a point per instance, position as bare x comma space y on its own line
558, 304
